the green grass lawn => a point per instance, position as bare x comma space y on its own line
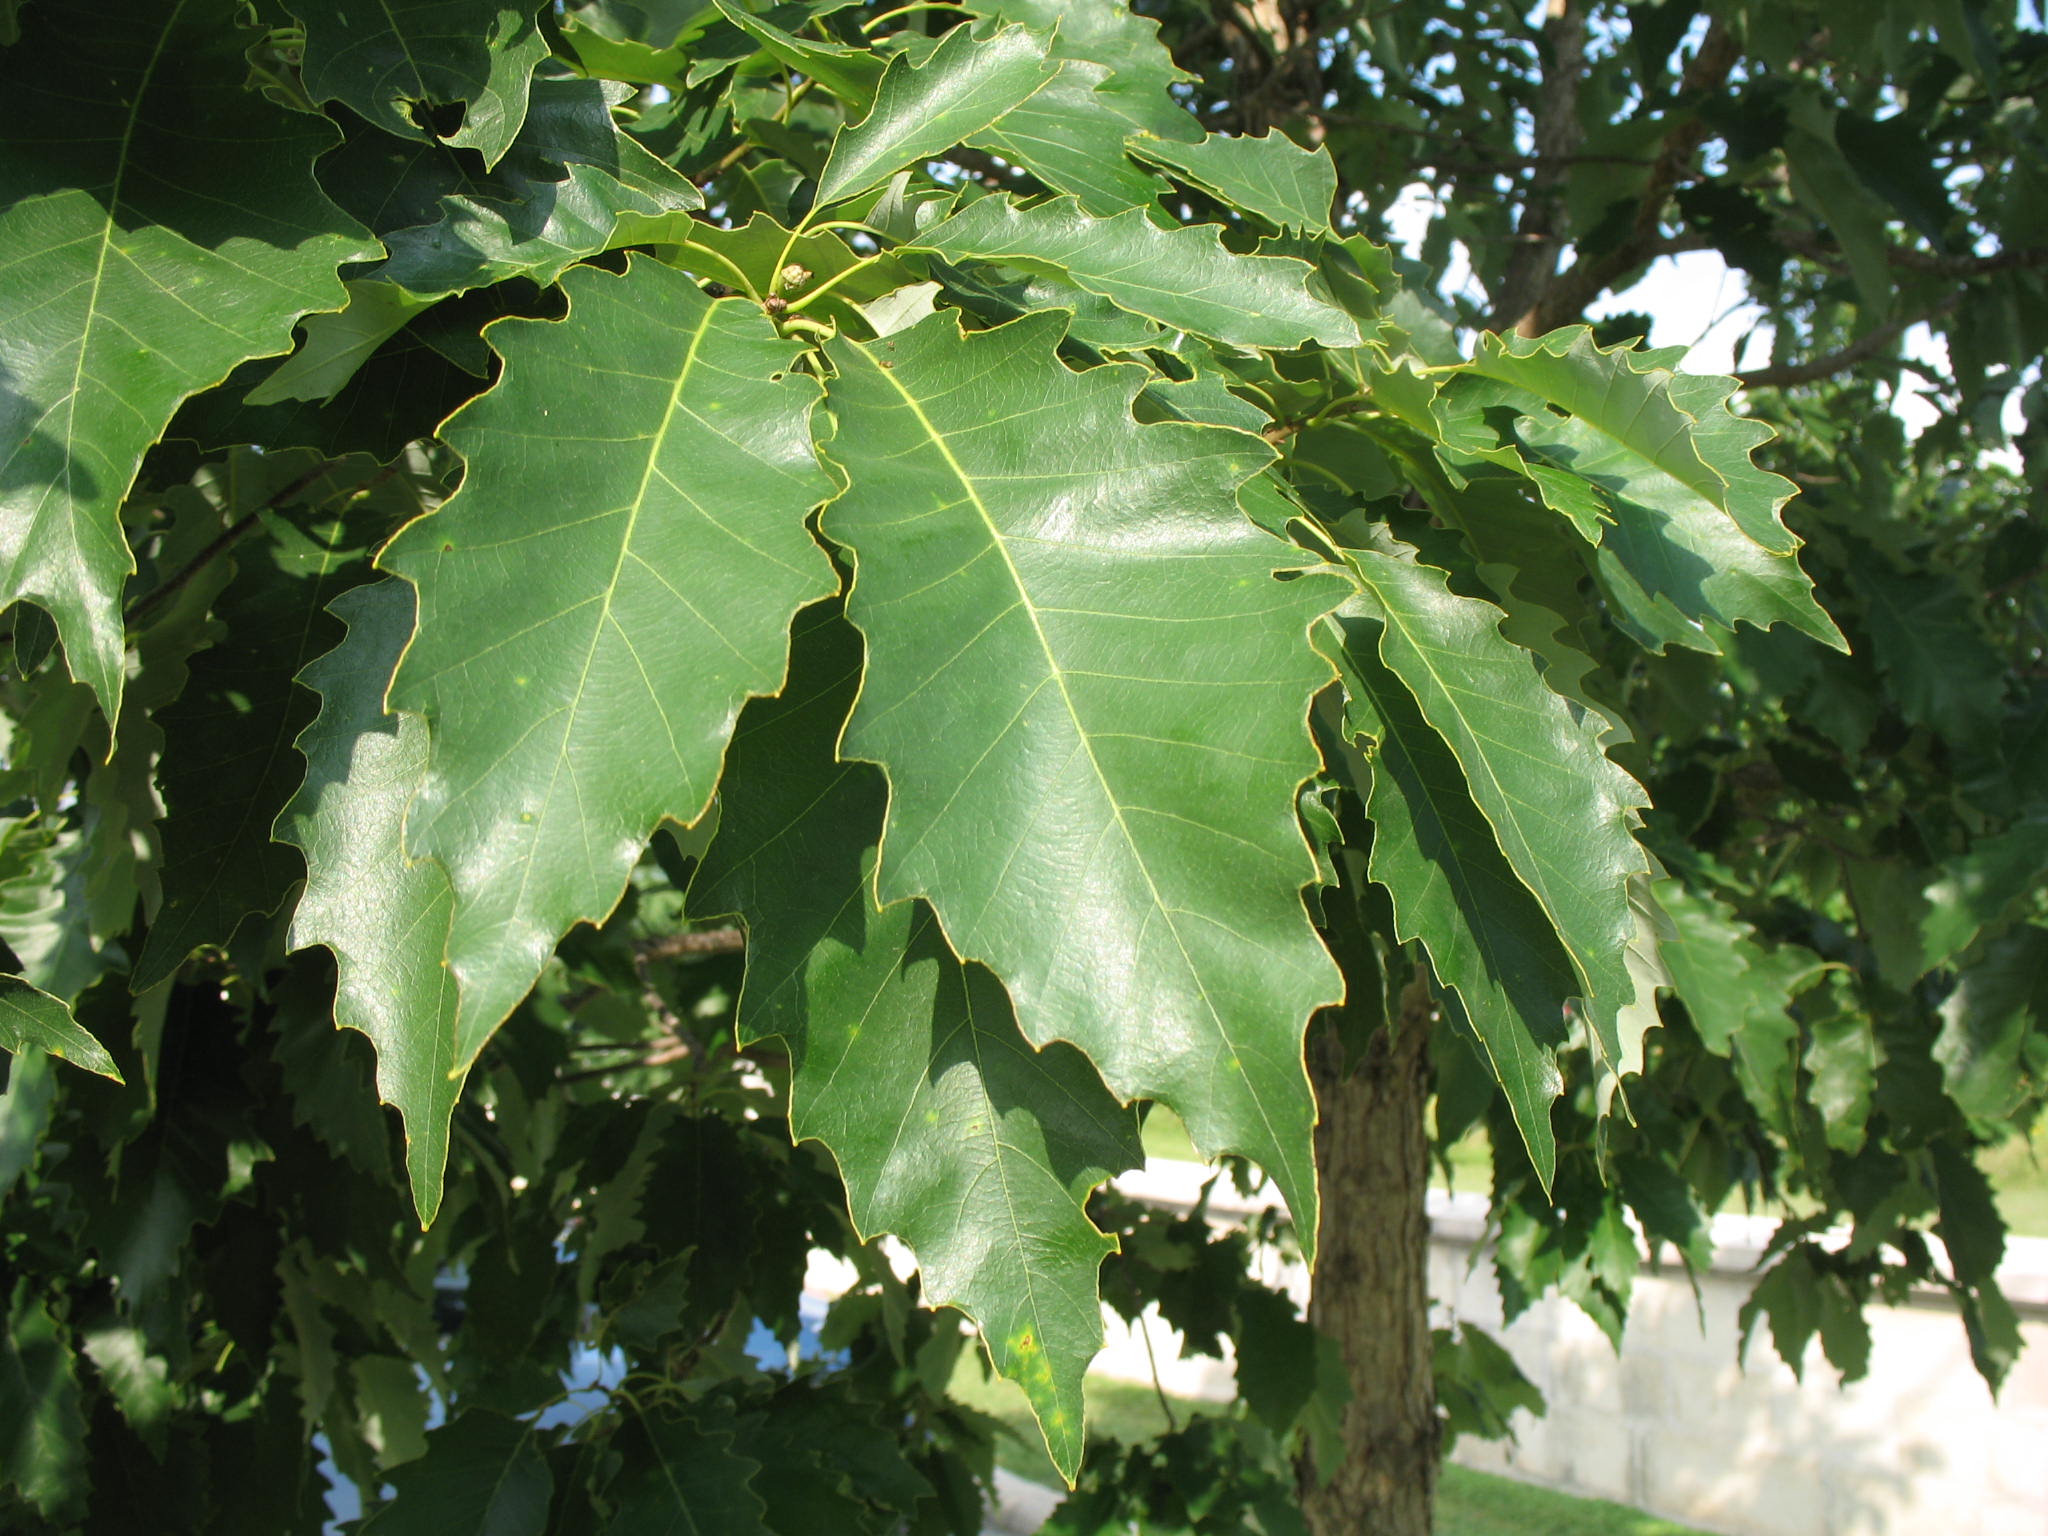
2018, 1169
1468, 1503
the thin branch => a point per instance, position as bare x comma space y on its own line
1861, 350
172, 585
707, 941
1165, 1403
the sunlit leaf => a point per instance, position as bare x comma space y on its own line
950, 1129
581, 658
1088, 690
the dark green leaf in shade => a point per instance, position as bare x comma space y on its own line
1489, 941
337, 343
483, 1475
1183, 277
2000, 999
31, 1020
581, 658
1089, 691
45, 911
1927, 633
394, 61
385, 917
1978, 890
573, 184
42, 1426
1273, 177
683, 1478
139, 273
924, 109
227, 767
950, 1130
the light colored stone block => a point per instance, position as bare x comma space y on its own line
2019, 1460
1687, 1478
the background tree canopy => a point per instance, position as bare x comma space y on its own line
794, 616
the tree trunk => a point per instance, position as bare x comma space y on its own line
1372, 1277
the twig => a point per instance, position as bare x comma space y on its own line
707, 941
171, 586
1165, 1404
1862, 349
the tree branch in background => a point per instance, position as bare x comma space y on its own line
172, 585
1861, 350
1566, 299
1539, 236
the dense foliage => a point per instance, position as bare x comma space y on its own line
791, 616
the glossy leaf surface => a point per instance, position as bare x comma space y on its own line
31, 1020
396, 60
921, 109
951, 1130
1183, 278
655, 587
1115, 720
137, 274
385, 917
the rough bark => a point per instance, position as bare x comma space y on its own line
1371, 1289
1541, 233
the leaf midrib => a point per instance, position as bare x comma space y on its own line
99, 271
668, 419
1166, 913
1582, 964
1391, 739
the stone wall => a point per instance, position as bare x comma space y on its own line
1676, 1426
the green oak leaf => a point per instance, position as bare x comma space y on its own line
337, 343
1999, 1001
227, 769
1489, 940
854, 75
1979, 889
571, 185
1696, 531
684, 1479
950, 1130
483, 1475
1273, 177
136, 272
1062, 136
42, 1422
1561, 810
391, 60
32, 1020
924, 109
1121, 47
385, 917
1089, 692
46, 916
1927, 635
1182, 277
1737, 993
581, 657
